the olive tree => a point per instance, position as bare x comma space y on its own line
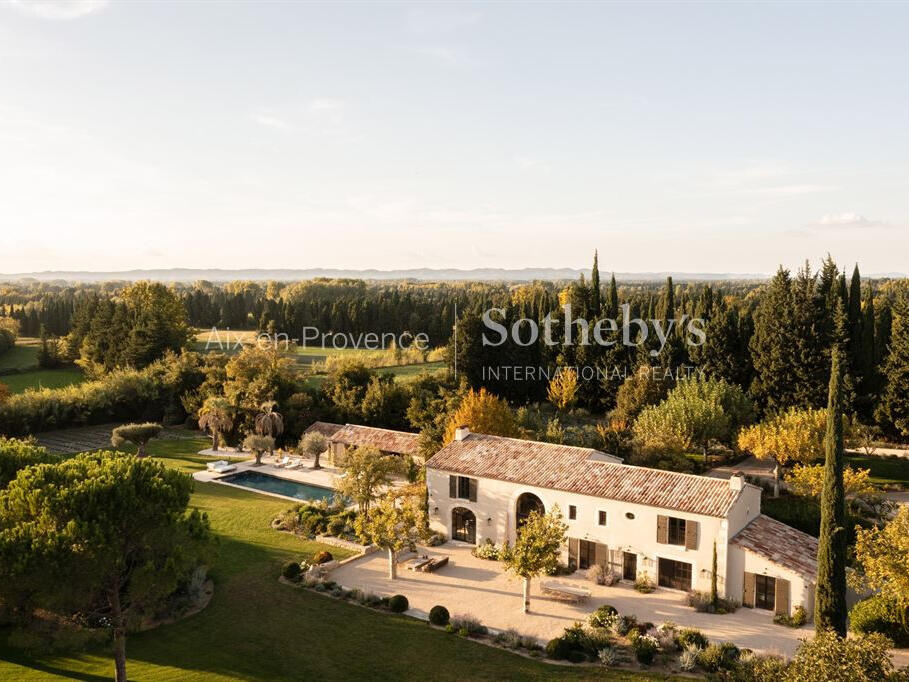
313, 444
258, 445
137, 434
536, 551
398, 522
366, 472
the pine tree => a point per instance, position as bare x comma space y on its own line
772, 346
595, 287
830, 596
893, 411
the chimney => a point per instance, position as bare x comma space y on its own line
737, 481
461, 433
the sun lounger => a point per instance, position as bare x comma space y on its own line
434, 564
221, 467
213, 465
295, 463
418, 563
283, 462
565, 592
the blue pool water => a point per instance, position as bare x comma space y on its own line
281, 486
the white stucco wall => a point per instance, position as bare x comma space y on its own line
801, 591
495, 514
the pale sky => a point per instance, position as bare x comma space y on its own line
695, 138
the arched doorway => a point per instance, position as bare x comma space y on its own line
527, 503
463, 525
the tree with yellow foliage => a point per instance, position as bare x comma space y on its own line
808, 480
883, 557
483, 412
796, 435
563, 389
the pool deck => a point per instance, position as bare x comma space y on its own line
322, 478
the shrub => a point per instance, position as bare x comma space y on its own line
604, 617
881, 615
798, 618
487, 550
470, 623
576, 656
645, 648
398, 603
449, 628
322, 557
643, 584
464, 632
597, 574
558, 649
607, 656
829, 657
624, 624
438, 615
690, 637
291, 570
688, 660
718, 656
560, 569
512, 639
703, 603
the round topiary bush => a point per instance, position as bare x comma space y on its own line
689, 637
322, 557
438, 615
398, 603
878, 614
291, 570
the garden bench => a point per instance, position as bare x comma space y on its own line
565, 592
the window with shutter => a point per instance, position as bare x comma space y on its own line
781, 595
663, 530
691, 534
452, 486
472, 489
748, 593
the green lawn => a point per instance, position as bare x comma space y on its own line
884, 470
43, 378
258, 629
20, 356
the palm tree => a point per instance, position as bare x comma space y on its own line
269, 422
216, 416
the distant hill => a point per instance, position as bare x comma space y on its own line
422, 274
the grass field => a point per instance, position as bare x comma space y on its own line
258, 629
889, 471
403, 373
43, 378
20, 356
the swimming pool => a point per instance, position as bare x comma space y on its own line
281, 486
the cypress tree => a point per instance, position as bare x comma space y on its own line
830, 597
868, 367
854, 317
612, 299
773, 345
595, 286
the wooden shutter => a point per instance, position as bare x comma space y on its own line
472, 493
452, 486
663, 530
781, 597
573, 552
748, 594
602, 556
691, 534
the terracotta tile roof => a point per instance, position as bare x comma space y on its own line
327, 429
583, 471
387, 440
781, 544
